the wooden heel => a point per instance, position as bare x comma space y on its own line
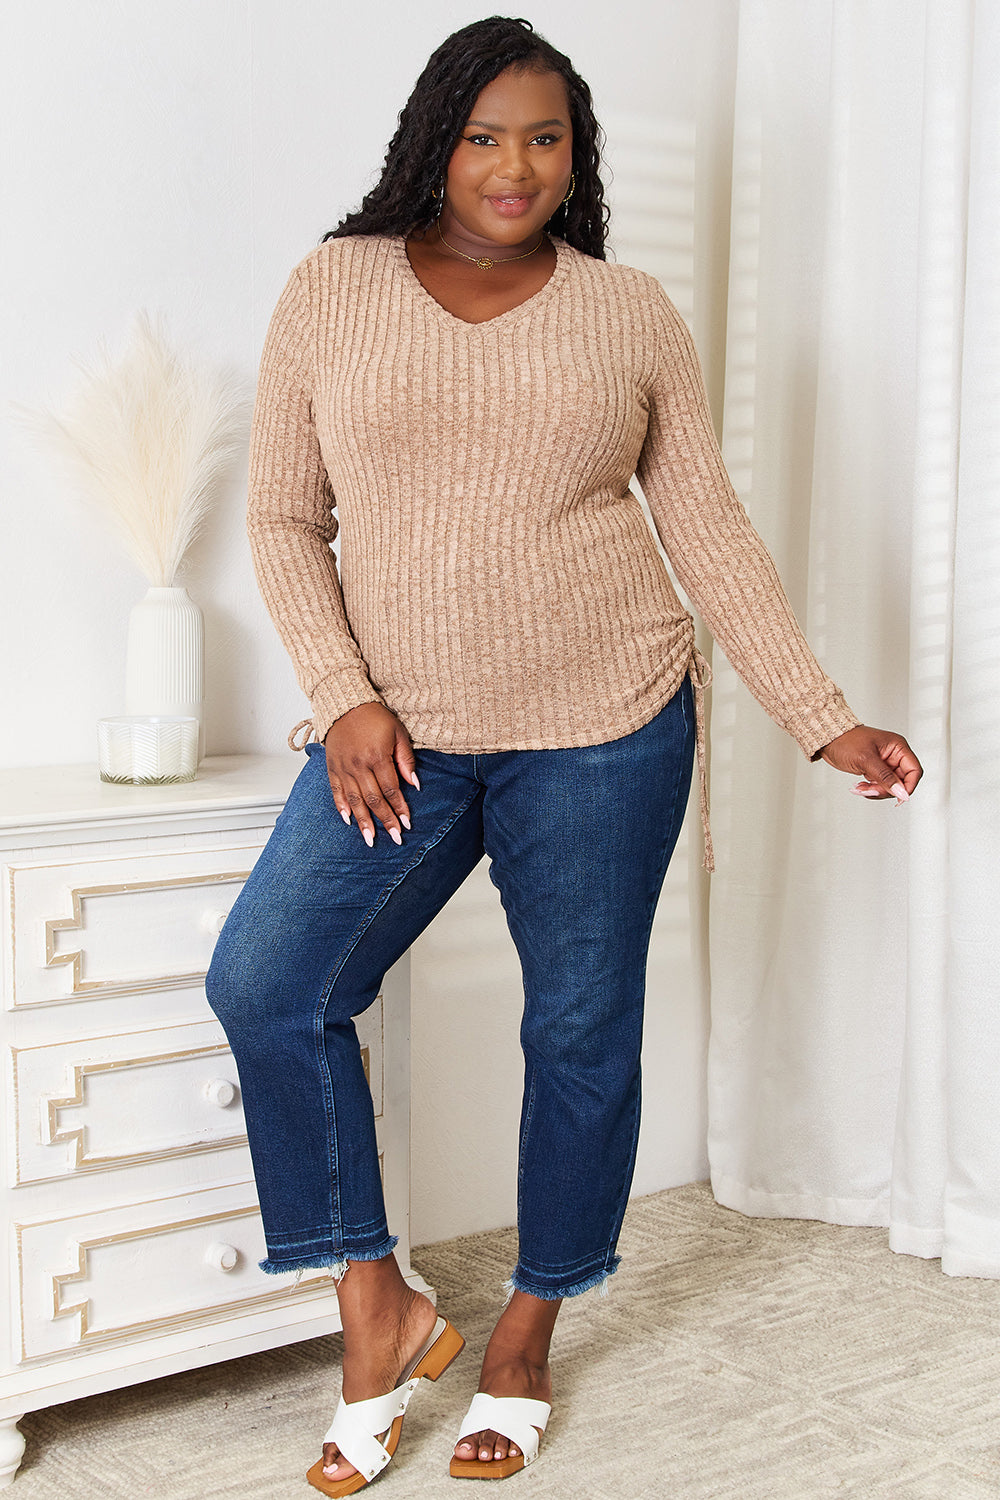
444, 1351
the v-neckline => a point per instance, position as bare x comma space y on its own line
513, 314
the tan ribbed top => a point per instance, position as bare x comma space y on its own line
499, 587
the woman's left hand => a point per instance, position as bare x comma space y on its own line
885, 761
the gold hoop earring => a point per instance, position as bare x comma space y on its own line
572, 185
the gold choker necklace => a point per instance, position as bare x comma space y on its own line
484, 263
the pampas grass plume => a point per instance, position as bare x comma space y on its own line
148, 438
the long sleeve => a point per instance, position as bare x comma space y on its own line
291, 521
720, 561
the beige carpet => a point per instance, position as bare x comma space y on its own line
752, 1358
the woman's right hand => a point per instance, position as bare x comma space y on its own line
367, 750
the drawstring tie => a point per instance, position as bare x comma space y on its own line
701, 675
301, 735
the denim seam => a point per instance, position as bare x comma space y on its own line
310, 1231
529, 1111
336, 1218
561, 1268
303, 1236
309, 1234
365, 1225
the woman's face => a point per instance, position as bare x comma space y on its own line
511, 166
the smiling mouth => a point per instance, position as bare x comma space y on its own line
511, 203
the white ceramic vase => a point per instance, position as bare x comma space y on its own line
164, 659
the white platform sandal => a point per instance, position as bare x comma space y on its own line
516, 1418
367, 1432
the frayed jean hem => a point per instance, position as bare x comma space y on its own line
599, 1280
325, 1261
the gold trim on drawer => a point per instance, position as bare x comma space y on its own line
216, 1309
317, 1280
75, 1135
83, 986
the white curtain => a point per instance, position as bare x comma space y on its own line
854, 947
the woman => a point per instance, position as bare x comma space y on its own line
502, 665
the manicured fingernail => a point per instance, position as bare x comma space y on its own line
415, 780
368, 836
395, 835
345, 815
872, 792
899, 791
404, 820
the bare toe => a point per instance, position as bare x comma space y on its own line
501, 1446
335, 1466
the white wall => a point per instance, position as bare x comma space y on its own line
181, 155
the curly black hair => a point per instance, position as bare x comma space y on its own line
416, 160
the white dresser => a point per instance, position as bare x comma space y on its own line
131, 1233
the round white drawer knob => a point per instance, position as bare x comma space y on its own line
221, 1092
213, 921
222, 1257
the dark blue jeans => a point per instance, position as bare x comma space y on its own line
578, 842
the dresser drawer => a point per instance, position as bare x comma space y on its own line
129, 1273
116, 925
115, 1101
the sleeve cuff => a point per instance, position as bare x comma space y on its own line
815, 730
337, 695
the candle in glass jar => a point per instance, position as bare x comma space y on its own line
147, 750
